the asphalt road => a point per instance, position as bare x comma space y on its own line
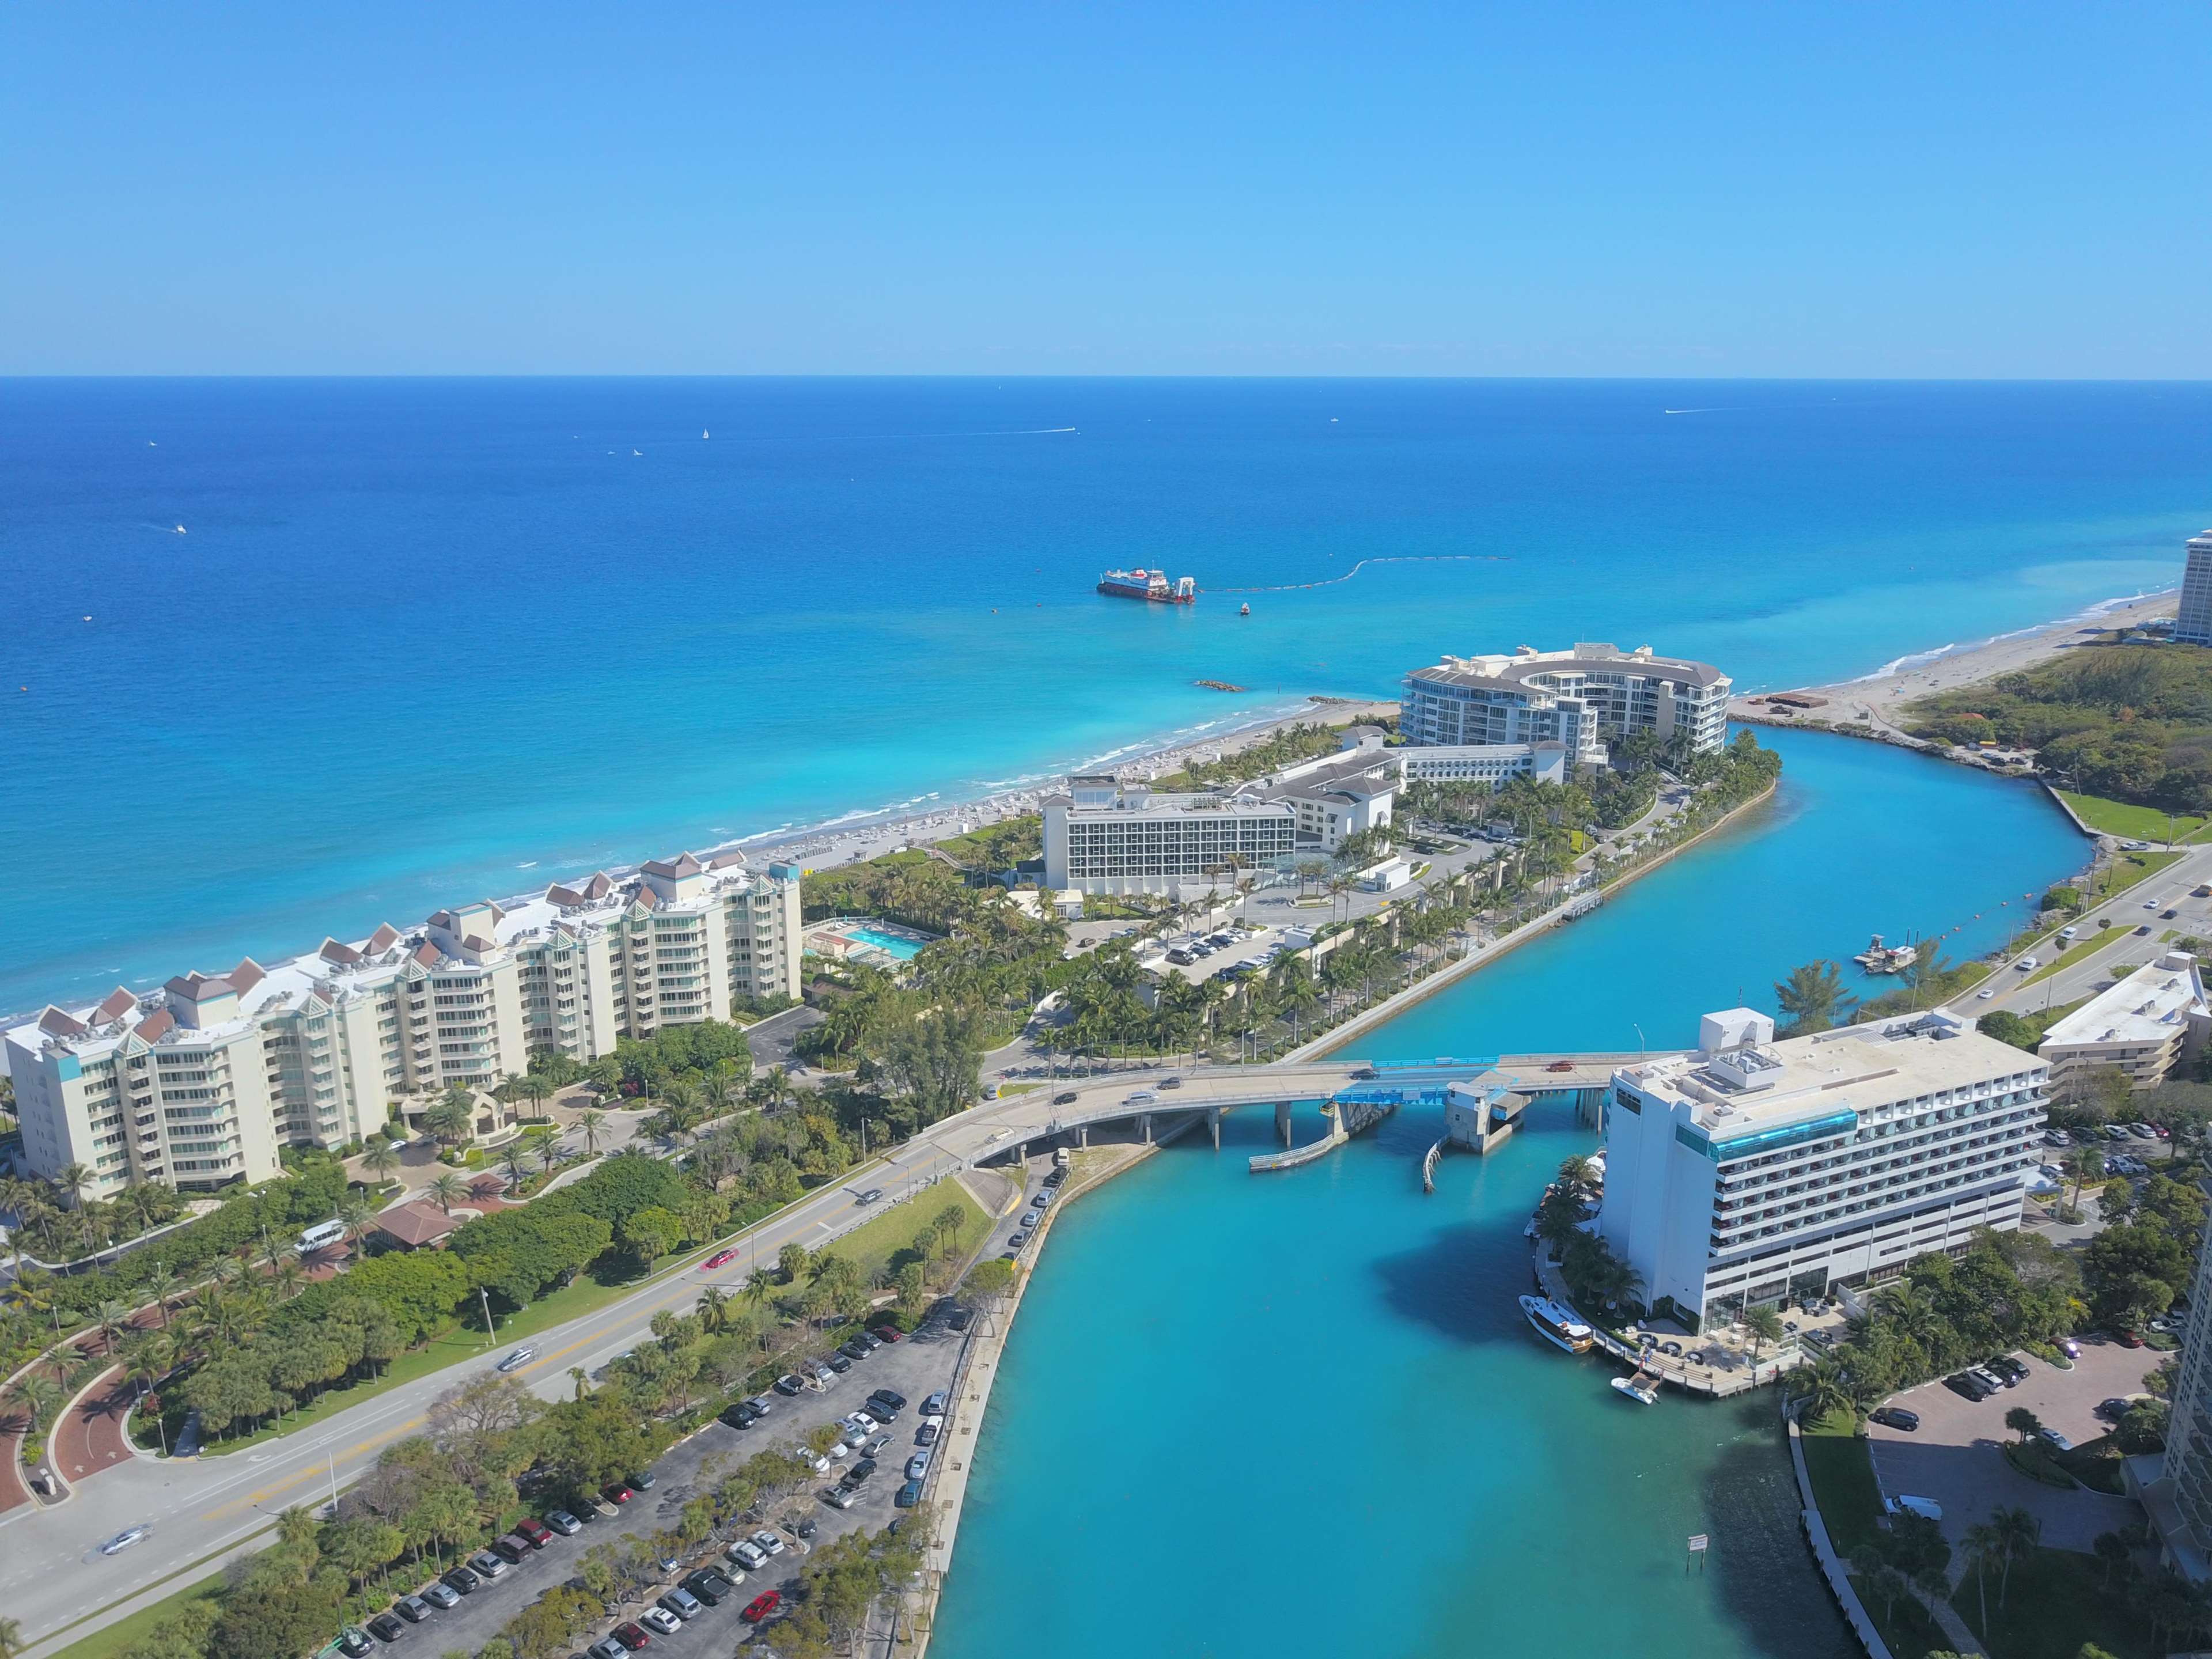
2169, 889
200, 1511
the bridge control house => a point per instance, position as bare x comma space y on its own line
1752, 1171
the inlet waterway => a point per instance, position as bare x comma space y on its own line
1300, 1414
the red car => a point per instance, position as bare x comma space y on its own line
536, 1531
619, 1493
888, 1333
719, 1259
761, 1605
632, 1637
2130, 1339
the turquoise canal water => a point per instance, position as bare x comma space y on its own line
1300, 1414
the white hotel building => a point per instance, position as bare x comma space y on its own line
199, 1083
1575, 697
1753, 1171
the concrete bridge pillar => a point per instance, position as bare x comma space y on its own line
1213, 1122
1145, 1123
1283, 1121
1083, 1135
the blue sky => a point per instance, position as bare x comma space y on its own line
2015, 189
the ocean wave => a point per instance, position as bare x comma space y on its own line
1911, 659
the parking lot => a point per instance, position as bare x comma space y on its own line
916, 1367
1955, 1457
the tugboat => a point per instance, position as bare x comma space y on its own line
1152, 585
1557, 1325
1879, 958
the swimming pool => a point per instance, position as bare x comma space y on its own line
906, 949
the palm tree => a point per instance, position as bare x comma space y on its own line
70, 1180
1825, 1387
2018, 1534
289, 1278
161, 1284
714, 1309
513, 1158
591, 1123
447, 1189
39, 1396
380, 1160
111, 1318
1764, 1326
581, 1378
357, 1217
11, 1638
2088, 1165
1983, 1546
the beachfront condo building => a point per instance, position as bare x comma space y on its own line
2192, 622
201, 1083
1752, 1171
1579, 698
1107, 836
2175, 1486
1493, 763
2142, 1026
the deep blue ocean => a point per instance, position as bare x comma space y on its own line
423, 641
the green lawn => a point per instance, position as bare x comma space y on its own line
1908, 1629
112, 1639
2126, 871
893, 1233
2054, 1604
2117, 817
1843, 1479
2080, 951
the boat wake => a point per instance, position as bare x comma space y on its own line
1388, 558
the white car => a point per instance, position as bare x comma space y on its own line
768, 1542
1985, 995
2025, 965
661, 1620
862, 1420
1906, 1503
746, 1554
855, 1436
814, 1461
841, 1451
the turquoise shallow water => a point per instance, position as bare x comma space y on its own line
1300, 1415
424, 641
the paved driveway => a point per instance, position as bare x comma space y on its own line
1954, 1459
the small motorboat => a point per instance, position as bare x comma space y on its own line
1643, 1389
1244, 609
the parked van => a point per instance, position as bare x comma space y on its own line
1906, 1503
1059, 1159
319, 1237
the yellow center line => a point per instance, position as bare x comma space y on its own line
308, 1474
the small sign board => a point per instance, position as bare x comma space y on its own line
1698, 1540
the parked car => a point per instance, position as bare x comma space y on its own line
737, 1416
927, 1433
413, 1608
873, 1340
2009, 1371
631, 1636
1895, 1417
657, 1618
1972, 1386
704, 1589
353, 1641
917, 1466
856, 1349
2069, 1347
887, 1333
839, 1497
440, 1595
858, 1474
534, 1533
769, 1541
891, 1397
1906, 1503
386, 1628
645, 1480
876, 1447
2055, 1440
761, 1606
564, 1524
747, 1554
909, 1495
510, 1549
617, 1492
607, 1648
680, 1602
789, 1384
1985, 1374
2114, 1409
813, 1459
839, 1363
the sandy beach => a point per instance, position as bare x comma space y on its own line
823, 846
1875, 700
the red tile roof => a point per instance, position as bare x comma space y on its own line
119, 1002
415, 1225
55, 1023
